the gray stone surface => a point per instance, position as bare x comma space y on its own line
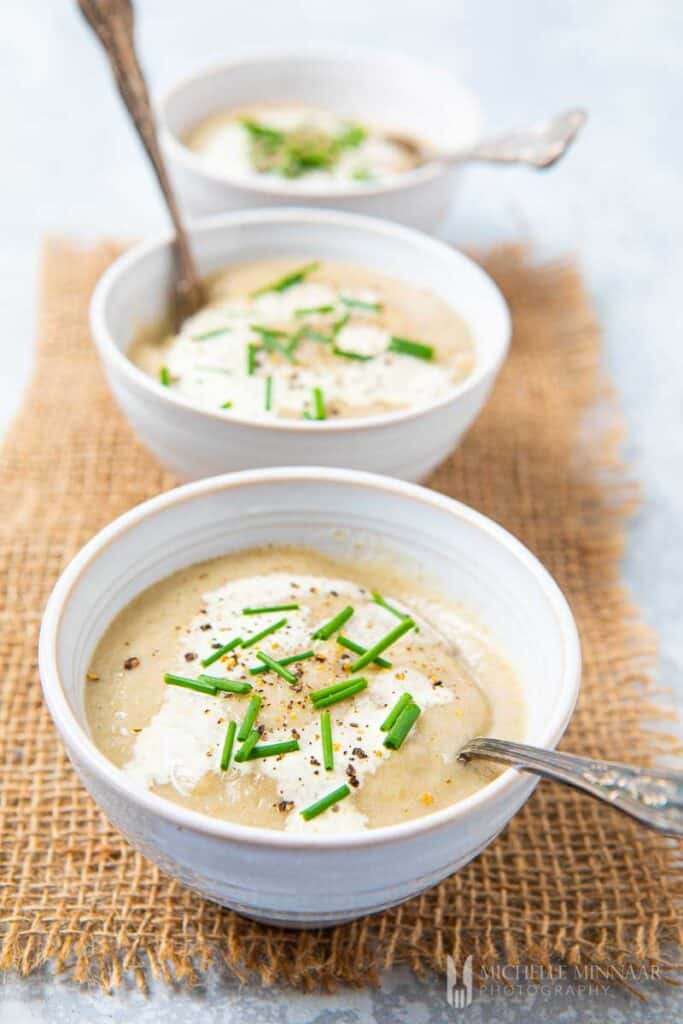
71, 164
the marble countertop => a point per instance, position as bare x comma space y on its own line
614, 205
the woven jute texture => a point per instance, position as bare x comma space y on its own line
567, 879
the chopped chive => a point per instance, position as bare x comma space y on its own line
313, 310
378, 599
283, 672
226, 405
262, 131
308, 332
327, 691
391, 719
283, 661
326, 737
227, 685
406, 347
326, 801
211, 334
285, 282
190, 684
352, 136
370, 307
269, 393
228, 744
319, 404
325, 631
252, 349
341, 322
165, 377
248, 745
402, 726
350, 645
249, 717
264, 632
270, 608
225, 649
395, 634
344, 353
268, 332
354, 687
273, 749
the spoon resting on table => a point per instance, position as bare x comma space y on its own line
652, 796
113, 23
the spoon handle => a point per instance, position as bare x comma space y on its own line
538, 146
112, 22
652, 796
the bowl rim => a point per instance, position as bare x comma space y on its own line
193, 162
504, 787
127, 261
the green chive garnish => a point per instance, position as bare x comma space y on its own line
252, 349
211, 334
326, 737
226, 405
351, 645
227, 746
326, 801
338, 324
273, 749
262, 131
352, 687
406, 347
269, 393
249, 717
270, 608
395, 634
314, 310
227, 685
264, 632
221, 651
378, 599
319, 405
402, 726
284, 673
190, 684
395, 712
370, 307
283, 661
327, 691
345, 353
325, 631
308, 332
245, 750
285, 282
165, 377
268, 332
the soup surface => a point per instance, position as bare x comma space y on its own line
305, 148
379, 746
281, 339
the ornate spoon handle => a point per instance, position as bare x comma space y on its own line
112, 23
540, 145
652, 796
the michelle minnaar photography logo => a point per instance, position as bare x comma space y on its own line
552, 980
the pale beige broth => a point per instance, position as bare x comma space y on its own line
169, 740
333, 331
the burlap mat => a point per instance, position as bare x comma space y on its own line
568, 878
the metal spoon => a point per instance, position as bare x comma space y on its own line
540, 145
652, 796
112, 23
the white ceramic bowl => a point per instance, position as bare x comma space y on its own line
195, 443
276, 876
390, 90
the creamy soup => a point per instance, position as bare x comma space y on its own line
306, 148
313, 341
282, 689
